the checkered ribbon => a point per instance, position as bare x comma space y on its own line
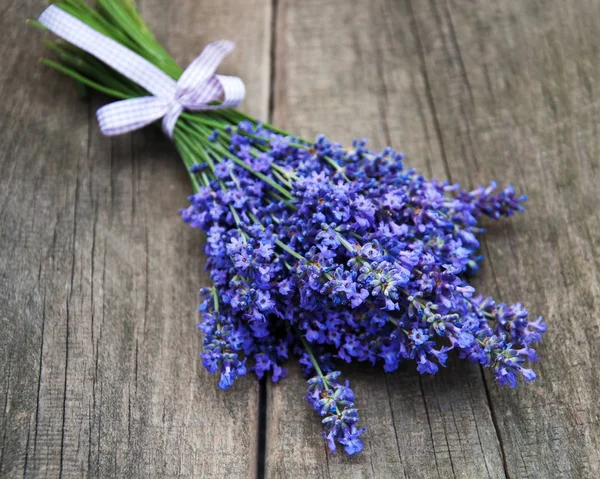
197, 88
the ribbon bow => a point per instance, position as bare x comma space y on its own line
195, 90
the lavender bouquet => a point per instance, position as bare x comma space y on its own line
321, 252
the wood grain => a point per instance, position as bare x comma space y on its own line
515, 88
99, 367
366, 80
99, 374
473, 91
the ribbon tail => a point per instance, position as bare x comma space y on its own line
173, 112
129, 115
111, 52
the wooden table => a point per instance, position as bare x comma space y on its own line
99, 369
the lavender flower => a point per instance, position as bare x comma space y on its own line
351, 255
335, 403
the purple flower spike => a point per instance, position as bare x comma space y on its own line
352, 253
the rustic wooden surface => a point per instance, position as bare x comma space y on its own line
99, 373
98, 348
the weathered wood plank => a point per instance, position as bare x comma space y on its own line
96, 381
356, 70
515, 90
99, 368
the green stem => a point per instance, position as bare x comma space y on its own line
215, 299
80, 78
289, 250
313, 360
315, 363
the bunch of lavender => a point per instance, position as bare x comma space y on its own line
321, 252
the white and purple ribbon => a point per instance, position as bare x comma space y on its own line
195, 90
